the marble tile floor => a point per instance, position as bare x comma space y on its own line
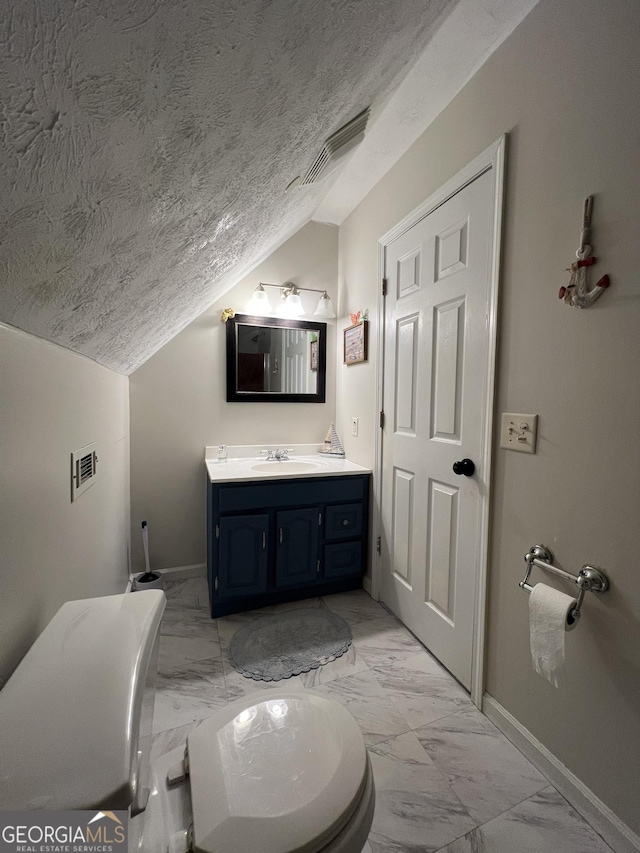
446, 779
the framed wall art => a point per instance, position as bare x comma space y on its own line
355, 343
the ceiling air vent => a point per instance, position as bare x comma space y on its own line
337, 145
83, 469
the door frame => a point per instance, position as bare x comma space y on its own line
493, 158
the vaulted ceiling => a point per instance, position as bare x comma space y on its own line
146, 146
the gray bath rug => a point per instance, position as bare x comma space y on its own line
295, 641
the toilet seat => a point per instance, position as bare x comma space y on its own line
276, 772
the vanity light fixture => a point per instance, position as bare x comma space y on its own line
292, 304
325, 307
259, 304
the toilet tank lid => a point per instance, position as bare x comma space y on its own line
69, 712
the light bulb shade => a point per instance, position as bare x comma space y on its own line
325, 307
292, 306
259, 303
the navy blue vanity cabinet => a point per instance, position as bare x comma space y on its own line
283, 540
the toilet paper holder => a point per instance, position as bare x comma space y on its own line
589, 578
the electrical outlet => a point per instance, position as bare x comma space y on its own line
519, 432
354, 426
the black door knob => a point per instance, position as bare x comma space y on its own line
464, 466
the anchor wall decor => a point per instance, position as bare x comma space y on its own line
576, 293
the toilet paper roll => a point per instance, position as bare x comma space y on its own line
548, 620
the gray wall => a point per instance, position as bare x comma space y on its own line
178, 406
52, 550
565, 88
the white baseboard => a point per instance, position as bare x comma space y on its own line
175, 573
616, 833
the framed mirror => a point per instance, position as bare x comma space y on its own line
273, 360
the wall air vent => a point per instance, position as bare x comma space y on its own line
336, 147
83, 469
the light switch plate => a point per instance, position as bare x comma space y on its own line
354, 426
518, 432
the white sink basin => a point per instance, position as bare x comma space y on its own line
285, 466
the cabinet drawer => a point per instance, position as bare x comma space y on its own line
342, 558
343, 521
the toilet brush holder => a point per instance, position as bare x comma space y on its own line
147, 579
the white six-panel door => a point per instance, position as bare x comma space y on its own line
437, 354
296, 372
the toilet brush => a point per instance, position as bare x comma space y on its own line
147, 579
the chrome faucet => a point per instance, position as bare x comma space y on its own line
277, 455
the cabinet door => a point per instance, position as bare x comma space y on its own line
297, 547
243, 555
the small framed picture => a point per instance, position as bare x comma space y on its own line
313, 357
355, 343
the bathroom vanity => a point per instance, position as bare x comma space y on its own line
284, 530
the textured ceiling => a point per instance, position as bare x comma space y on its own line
145, 148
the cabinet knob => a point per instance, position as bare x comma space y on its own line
345, 522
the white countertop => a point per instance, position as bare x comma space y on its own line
248, 463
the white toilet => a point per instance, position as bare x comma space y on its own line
274, 772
